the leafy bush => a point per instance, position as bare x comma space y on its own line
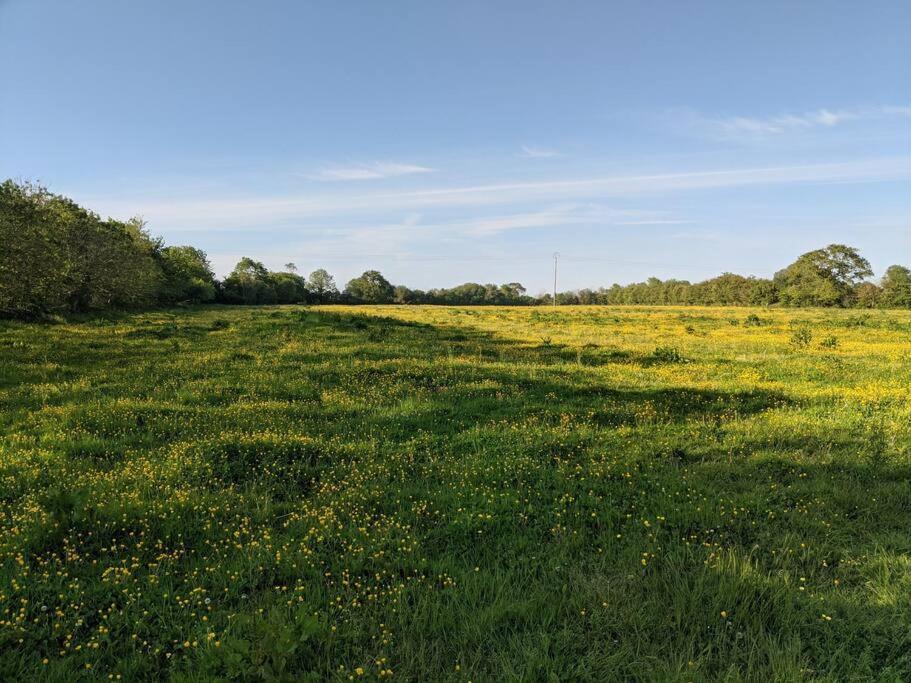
667, 354
801, 337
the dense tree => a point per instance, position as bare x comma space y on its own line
587, 297
896, 288
763, 292
403, 295
370, 288
187, 276
801, 284
58, 257
249, 283
474, 294
290, 288
119, 267
512, 292
321, 286
470, 293
866, 295
727, 289
31, 282
824, 277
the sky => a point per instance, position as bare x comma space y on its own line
469, 141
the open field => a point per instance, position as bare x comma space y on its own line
457, 494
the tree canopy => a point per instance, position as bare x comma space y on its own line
896, 287
824, 277
321, 286
188, 275
252, 283
370, 288
60, 258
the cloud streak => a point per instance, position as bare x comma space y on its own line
532, 152
371, 171
558, 216
242, 213
406, 239
740, 127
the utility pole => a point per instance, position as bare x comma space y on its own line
556, 256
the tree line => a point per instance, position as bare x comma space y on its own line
836, 276
60, 258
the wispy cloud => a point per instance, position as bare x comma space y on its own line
533, 152
655, 221
700, 235
747, 127
227, 212
399, 237
553, 216
781, 124
561, 216
369, 171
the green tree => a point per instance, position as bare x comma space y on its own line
763, 292
290, 288
321, 286
567, 298
403, 295
468, 294
188, 275
58, 257
249, 283
33, 266
370, 288
867, 295
896, 288
587, 297
125, 271
824, 277
512, 292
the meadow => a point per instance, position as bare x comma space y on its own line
456, 494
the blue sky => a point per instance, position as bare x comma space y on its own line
446, 142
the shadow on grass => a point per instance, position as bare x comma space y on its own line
461, 377
735, 533
371, 377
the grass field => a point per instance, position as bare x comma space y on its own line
456, 494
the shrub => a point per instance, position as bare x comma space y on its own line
801, 337
667, 354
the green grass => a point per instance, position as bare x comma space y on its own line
441, 494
